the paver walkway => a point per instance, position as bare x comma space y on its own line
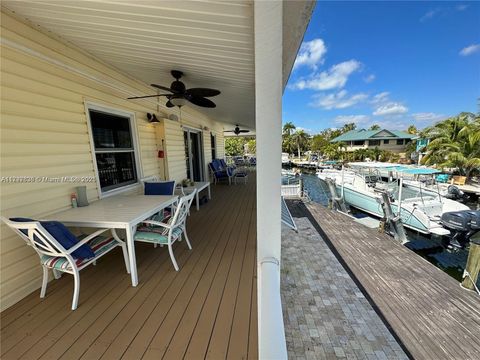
326, 315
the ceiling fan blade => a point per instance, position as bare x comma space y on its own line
244, 131
147, 96
201, 101
169, 104
162, 87
202, 92
228, 130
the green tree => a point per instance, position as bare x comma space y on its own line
374, 127
348, 127
412, 129
333, 151
288, 128
318, 142
455, 143
235, 146
301, 139
252, 146
288, 144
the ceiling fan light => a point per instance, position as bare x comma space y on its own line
178, 101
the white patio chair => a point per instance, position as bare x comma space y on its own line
160, 233
54, 256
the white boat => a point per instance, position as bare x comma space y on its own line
421, 210
285, 159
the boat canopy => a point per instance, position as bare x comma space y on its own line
414, 170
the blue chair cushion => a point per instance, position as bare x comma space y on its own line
159, 188
216, 166
67, 239
64, 236
20, 219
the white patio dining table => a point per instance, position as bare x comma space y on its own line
117, 212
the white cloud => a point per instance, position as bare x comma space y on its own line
333, 78
469, 50
428, 116
369, 78
340, 100
308, 131
311, 54
390, 108
429, 15
461, 7
380, 97
357, 119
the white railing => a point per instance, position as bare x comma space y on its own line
293, 190
271, 332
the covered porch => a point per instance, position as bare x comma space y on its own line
206, 310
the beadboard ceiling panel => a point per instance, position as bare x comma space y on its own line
210, 41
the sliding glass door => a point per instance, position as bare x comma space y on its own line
193, 154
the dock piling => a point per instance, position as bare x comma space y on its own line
394, 222
338, 203
470, 275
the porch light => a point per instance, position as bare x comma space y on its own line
152, 118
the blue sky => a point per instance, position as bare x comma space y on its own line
388, 63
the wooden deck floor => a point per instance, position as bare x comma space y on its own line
424, 307
206, 310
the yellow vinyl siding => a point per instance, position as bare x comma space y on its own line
45, 84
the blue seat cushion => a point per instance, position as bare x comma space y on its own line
159, 188
64, 236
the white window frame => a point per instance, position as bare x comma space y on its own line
136, 148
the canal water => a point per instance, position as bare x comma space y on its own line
452, 262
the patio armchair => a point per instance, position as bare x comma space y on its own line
219, 173
62, 252
161, 233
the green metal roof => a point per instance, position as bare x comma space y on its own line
382, 134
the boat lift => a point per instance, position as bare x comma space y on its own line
391, 220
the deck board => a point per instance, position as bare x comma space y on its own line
425, 308
169, 314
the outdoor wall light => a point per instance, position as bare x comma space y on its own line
152, 118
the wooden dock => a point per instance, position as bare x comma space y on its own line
426, 309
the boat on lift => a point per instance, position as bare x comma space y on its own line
420, 209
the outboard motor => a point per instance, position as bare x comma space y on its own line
454, 193
462, 225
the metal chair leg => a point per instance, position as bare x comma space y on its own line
44, 282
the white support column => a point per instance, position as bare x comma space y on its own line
268, 24
268, 124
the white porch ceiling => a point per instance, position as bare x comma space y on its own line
210, 41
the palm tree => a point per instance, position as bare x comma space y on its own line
333, 151
288, 128
348, 127
301, 139
287, 141
374, 127
412, 129
455, 142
